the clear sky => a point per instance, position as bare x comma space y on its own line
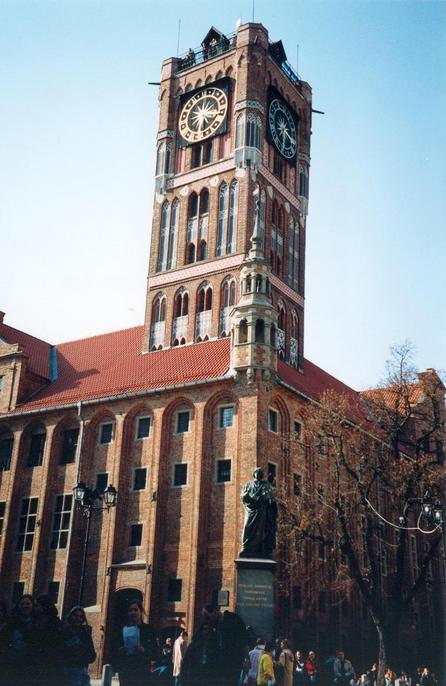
77, 131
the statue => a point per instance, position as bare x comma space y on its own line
259, 530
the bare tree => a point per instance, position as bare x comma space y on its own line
383, 449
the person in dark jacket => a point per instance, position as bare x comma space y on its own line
49, 628
24, 643
4, 680
135, 648
201, 662
77, 648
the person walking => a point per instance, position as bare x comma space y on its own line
312, 667
265, 676
135, 648
77, 648
179, 649
286, 661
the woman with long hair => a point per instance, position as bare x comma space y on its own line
135, 648
24, 644
77, 648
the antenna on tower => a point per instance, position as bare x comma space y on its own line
178, 40
253, 10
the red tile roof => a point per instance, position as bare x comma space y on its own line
35, 349
112, 364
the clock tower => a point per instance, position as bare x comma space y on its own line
231, 195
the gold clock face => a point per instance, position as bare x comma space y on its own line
203, 114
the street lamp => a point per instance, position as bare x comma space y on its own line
85, 498
431, 510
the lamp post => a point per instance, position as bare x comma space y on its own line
430, 508
85, 498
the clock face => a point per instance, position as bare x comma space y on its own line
203, 114
282, 128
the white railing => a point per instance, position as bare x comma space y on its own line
225, 323
293, 352
280, 341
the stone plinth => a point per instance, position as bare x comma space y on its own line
255, 594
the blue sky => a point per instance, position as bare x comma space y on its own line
78, 125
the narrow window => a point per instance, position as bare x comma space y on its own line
183, 420
140, 479
2, 515
27, 524
232, 220
272, 473
273, 420
6, 443
260, 331
106, 433
61, 521
222, 217
69, 445
174, 590
298, 429
135, 535
101, 482
180, 474
35, 455
226, 417
243, 331
297, 484
223, 471
173, 234
161, 264
143, 427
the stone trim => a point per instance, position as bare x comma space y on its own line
201, 173
165, 133
253, 104
278, 185
286, 290
196, 270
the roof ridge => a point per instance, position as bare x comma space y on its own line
101, 335
25, 333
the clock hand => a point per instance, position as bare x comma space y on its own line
287, 134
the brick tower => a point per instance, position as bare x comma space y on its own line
232, 164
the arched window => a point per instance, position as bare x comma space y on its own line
197, 226
253, 131
294, 340
281, 328
240, 131
158, 327
260, 331
165, 212
273, 336
222, 217
202, 251
232, 221
204, 312
173, 235
293, 254
227, 301
190, 257
243, 331
180, 322
262, 213
161, 159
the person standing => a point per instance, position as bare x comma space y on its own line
135, 648
286, 661
265, 675
300, 674
200, 666
312, 667
179, 649
77, 648
49, 628
23, 647
254, 657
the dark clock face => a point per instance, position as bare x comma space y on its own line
203, 114
282, 128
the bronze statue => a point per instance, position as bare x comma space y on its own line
259, 530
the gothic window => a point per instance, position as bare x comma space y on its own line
243, 331
173, 235
273, 336
197, 226
281, 327
293, 254
163, 158
222, 216
277, 222
260, 331
158, 322
262, 215
204, 312
227, 301
165, 212
253, 131
201, 154
181, 319
240, 131
232, 220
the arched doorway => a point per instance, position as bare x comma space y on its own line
120, 601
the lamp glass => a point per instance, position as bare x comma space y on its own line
109, 496
79, 492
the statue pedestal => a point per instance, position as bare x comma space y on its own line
255, 594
